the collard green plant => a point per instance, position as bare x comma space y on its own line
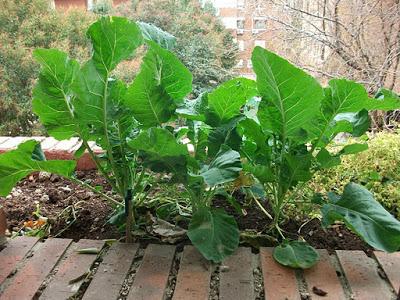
286, 143
131, 124
214, 162
282, 140
89, 103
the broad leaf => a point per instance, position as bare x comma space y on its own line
214, 233
224, 168
226, 101
296, 168
194, 109
158, 141
327, 160
161, 151
386, 100
160, 86
296, 254
355, 123
353, 149
27, 158
155, 34
52, 95
344, 109
263, 174
290, 97
365, 216
224, 134
114, 39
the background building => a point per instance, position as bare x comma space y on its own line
87, 4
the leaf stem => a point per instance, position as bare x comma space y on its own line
261, 207
94, 190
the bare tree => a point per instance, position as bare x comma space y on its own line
358, 39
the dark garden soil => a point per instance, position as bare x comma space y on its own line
74, 212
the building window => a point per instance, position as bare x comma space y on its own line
241, 45
260, 43
229, 22
239, 64
240, 24
259, 23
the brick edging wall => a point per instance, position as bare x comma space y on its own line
54, 149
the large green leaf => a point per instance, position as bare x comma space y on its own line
159, 87
158, 141
161, 151
296, 168
385, 100
296, 254
27, 158
214, 233
263, 173
365, 216
113, 39
52, 95
226, 101
225, 167
345, 109
194, 109
155, 34
224, 134
290, 97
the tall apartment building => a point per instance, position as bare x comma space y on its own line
86, 4
248, 23
257, 23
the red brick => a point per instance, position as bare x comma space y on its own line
111, 273
73, 266
85, 162
152, 277
237, 281
279, 282
14, 252
361, 272
390, 263
27, 281
193, 280
323, 276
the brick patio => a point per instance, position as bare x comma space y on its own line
54, 269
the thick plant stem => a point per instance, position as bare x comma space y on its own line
129, 216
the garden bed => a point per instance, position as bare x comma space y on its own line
57, 198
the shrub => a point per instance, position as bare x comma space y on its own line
377, 168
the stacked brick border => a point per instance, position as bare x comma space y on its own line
54, 149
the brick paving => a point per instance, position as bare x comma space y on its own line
55, 270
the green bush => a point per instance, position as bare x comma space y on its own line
25, 25
378, 169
